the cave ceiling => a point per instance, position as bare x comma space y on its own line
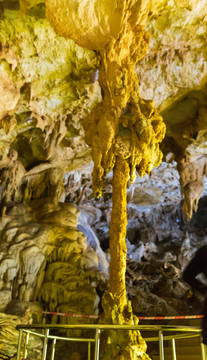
49, 85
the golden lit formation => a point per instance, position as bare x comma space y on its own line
76, 79
123, 130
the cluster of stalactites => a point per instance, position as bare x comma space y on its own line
192, 175
123, 124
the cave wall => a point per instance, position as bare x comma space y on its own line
173, 73
49, 84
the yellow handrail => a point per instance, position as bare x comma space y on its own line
180, 332
109, 327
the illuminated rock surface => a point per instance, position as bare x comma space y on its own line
47, 123
51, 84
51, 98
42, 250
173, 74
9, 338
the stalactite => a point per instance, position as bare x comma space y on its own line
192, 173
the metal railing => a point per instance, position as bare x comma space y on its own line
164, 333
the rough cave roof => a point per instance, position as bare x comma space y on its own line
49, 84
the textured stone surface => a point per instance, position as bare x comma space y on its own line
44, 257
157, 236
173, 74
9, 338
49, 88
48, 85
43, 100
176, 61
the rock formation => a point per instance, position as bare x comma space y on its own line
123, 130
9, 338
65, 102
173, 74
40, 245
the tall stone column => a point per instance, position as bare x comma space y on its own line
118, 248
123, 130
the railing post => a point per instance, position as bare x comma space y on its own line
44, 351
97, 344
203, 350
53, 349
161, 347
89, 350
173, 349
25, 346
19, 344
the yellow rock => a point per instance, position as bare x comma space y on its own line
92, 23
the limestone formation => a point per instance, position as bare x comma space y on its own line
65, 102
124, 131
45, 258
173, 73
122, 124
50, 130
9, 338
45, 80
157, 236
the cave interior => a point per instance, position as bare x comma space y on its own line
103, 163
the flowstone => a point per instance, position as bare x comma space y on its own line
45, 257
